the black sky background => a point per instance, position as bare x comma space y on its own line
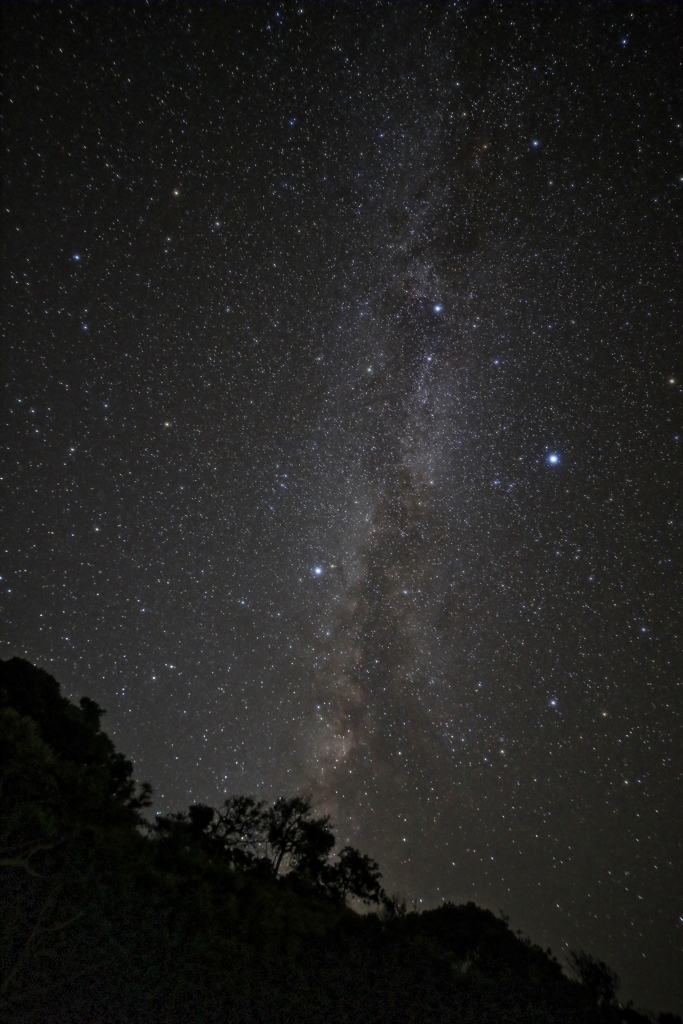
342, 429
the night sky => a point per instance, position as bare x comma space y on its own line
342, 443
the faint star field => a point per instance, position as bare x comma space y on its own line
342, 430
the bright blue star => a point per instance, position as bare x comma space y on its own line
318, 570
437, 309
553, 459
76, 256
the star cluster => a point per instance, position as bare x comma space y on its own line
342, 432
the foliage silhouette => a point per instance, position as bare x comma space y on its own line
230, 915
355, 874
285, 839
601, 982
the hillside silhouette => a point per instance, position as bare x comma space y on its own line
236, 914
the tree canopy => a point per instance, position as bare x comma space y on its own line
284, 839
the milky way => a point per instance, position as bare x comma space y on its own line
342, 445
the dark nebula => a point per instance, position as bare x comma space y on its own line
342, 429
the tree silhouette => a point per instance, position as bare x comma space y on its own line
293, 834
240, 828
355, 874
598, 978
